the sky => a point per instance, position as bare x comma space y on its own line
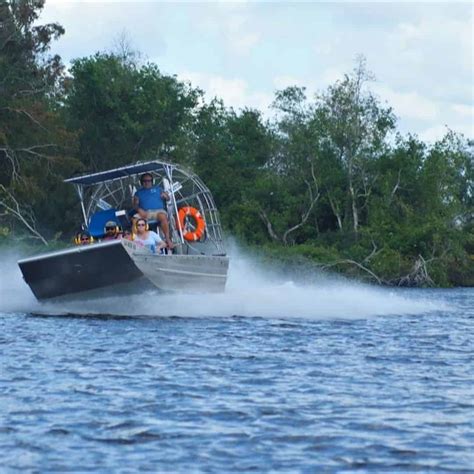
420, 53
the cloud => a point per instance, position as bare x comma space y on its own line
231, 25
282, 82
244, 43
430, 118
421, 53
235, 92
408, 104
464, 110
437, 132
240, 38
425, 48
436, 51
324, 48
95, 26
331, 75
463, 119
433, 134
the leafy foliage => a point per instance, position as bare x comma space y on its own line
326, 180
35, 147
125, 111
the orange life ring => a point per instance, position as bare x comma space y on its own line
199, 220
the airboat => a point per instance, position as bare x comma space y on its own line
198, 262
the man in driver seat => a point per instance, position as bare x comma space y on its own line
148, 204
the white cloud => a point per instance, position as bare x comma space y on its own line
437, 132
421, 53
281, 82
436, 50
241, 39
95, 26
324, 49
234, 92
408, 104
243, 43
464, 110
433, 134
463, 119
231, 25
331, 75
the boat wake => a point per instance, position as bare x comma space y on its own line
251, 292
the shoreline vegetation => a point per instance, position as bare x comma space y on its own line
326, 180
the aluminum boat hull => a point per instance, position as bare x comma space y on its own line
188, 273
78, 269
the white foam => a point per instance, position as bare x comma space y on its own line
251, 291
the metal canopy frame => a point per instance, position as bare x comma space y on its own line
115, 189
118, 173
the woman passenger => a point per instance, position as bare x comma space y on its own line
148, 238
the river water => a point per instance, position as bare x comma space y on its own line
279, 374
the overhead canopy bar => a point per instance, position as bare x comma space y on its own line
118, 173
115, 188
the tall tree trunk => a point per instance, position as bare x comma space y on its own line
336, 212
268, 224
352, 191
355, 213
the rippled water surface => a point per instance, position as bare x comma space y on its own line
270, 376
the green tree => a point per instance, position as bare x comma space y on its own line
354, 126
230, 151
124, 111
296, 185
34, 146
422, 205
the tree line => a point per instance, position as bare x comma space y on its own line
327, 178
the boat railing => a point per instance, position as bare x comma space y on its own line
187, 189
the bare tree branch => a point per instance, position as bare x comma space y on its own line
268, 224
418, 275
312, 201
357, 264
395, 188
335, 210
24, 112
12, 206
14, 162
31, 150
374, 252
